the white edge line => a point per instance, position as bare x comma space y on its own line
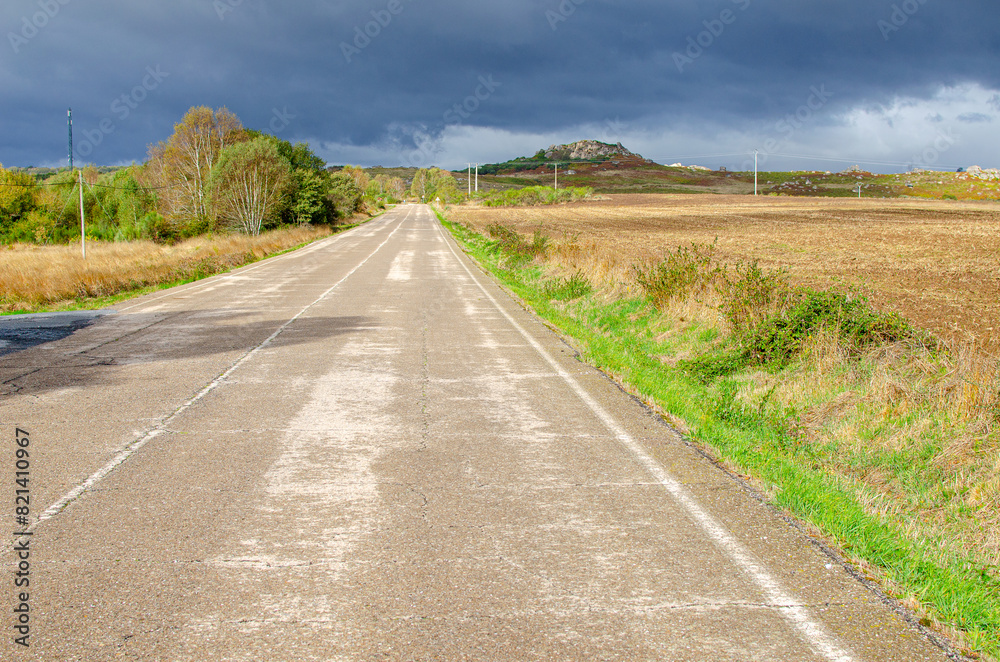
791, 609
161, 427
241, 270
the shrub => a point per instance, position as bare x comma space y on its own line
750, 294
534, 195
683, 273
858, 326
507, 240
569, 288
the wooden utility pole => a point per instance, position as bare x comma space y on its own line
83, 221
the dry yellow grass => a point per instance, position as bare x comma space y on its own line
36, 276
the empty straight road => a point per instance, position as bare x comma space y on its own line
365, 450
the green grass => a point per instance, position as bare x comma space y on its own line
625, 338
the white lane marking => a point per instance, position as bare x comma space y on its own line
214, 280
794, 612
402, 266
160, 428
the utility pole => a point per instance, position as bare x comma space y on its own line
755, 172
557, 176
83, 222
69, 115
477, 178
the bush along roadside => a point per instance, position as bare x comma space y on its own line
532, 196
861, 427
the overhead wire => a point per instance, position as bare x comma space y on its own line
814, 157
104, 186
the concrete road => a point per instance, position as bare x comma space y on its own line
365, 450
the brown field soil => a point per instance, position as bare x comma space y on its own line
937, 263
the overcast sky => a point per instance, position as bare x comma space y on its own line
883, 83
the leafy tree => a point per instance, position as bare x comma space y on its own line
131, 207
311, 202
383, 189
396, 189
301, 157
443, 185
420, 186
344, 194
185, 161
249, 184
358, 174
434, 183
308, 201
58, 202
18, 196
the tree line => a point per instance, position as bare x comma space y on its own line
212, 175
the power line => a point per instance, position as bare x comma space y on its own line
859, 161
105, 186
702, 156
813, 157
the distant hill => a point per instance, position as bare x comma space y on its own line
581, 152
609, 168
587, 150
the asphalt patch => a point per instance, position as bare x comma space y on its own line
19, 332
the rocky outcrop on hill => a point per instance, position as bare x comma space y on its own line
982, 173
586, 150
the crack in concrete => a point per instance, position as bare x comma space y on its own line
425, 503
424, 384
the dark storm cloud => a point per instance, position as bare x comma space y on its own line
368, 73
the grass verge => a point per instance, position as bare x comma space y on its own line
873, 435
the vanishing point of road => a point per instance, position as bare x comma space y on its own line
366, 450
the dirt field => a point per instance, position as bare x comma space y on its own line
936, 263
